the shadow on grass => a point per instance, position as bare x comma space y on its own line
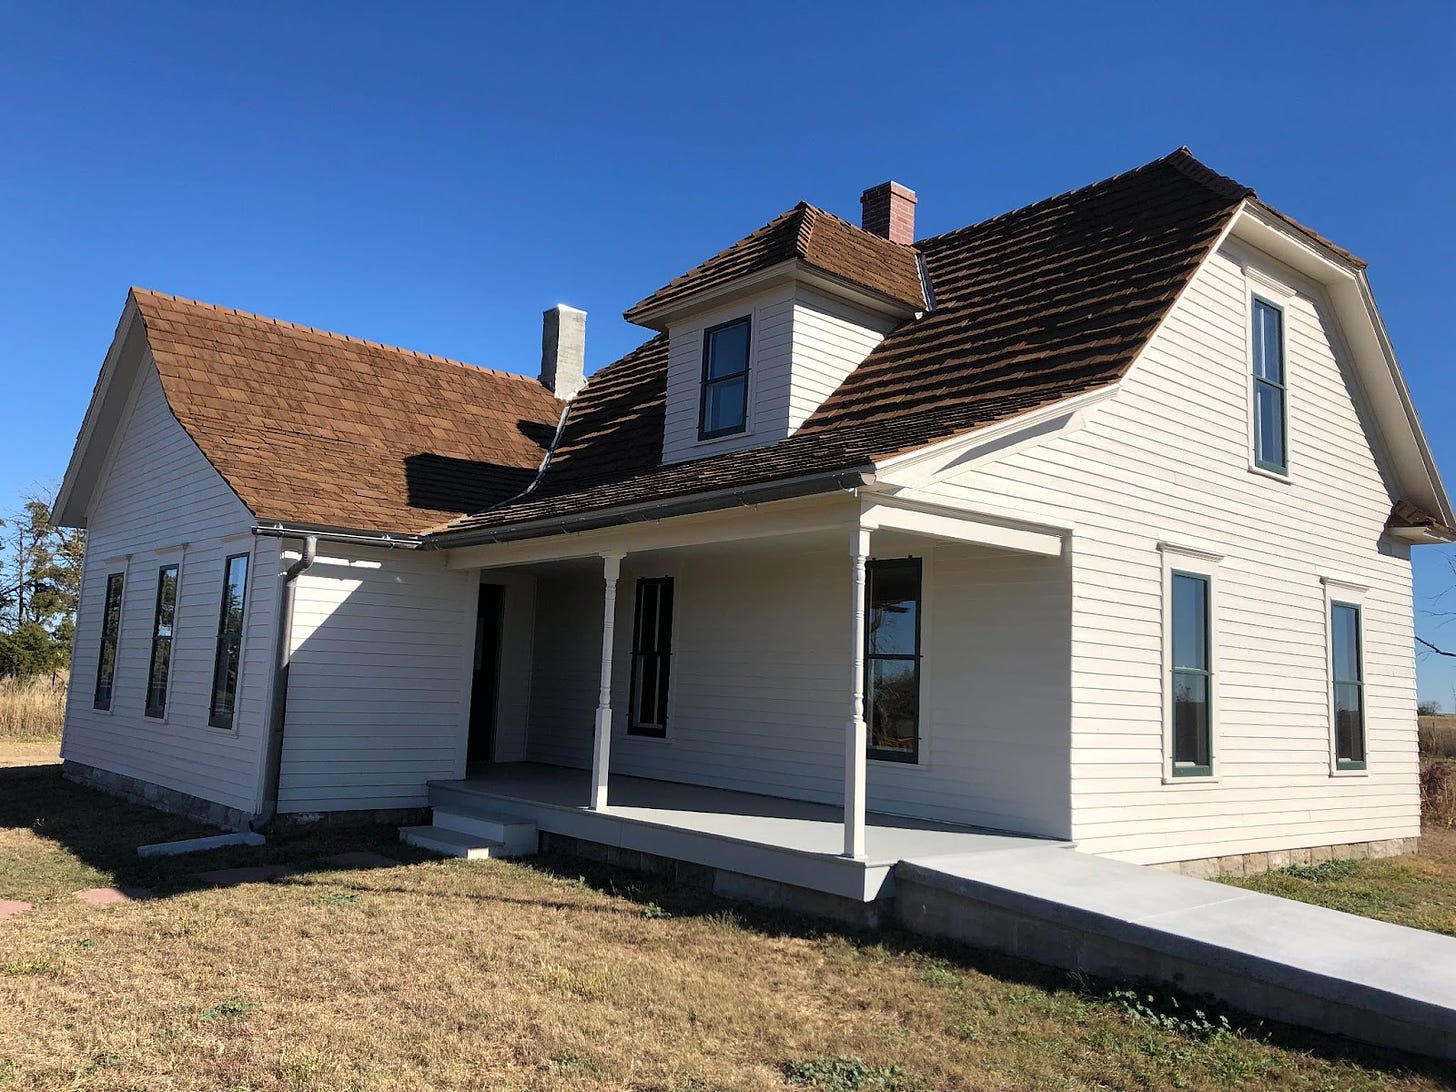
99, 835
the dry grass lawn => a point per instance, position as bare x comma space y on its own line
541, 975
32, 709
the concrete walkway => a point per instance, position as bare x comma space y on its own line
1272, 957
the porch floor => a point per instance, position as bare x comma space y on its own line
746, 832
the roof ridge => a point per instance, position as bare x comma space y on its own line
347, 338
1180, 159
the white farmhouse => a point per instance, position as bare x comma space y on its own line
1091, 522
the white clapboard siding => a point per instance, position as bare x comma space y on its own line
803, 345
158, 493
760, 685
1167, 461
379, 683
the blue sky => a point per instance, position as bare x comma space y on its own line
435, 175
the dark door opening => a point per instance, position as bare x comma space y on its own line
485, 681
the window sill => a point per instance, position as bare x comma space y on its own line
643, 737
1273, 475
1350, 771
1191, 779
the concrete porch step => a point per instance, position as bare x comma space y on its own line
453, 843
519, 836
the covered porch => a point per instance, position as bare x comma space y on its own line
762, 755
783, 841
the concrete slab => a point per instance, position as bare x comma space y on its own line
1275, 957
12, 908
361, 858
232, 877
197, 845
113, 896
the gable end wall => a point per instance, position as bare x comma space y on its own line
158, 492
1167, 461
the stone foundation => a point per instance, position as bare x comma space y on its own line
1256, 864
727, 884
173, 801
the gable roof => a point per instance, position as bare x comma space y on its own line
1032, 307
313, 427
814, 237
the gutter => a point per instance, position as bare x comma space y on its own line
654, 510
277, 715
324, 533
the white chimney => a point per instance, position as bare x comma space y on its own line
563, 351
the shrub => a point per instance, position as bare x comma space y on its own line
1438, 793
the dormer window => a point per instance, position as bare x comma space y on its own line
724, 407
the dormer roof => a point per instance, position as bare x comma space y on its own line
819, 240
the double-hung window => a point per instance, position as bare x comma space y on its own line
1347, 680
1270, 393
162, 622
724, 406
110, 631
1191, 666
229, 642
892, 659
651, 657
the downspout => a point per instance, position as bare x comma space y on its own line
277, 716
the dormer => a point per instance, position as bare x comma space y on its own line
763, 332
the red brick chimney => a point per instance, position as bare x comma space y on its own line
888, 210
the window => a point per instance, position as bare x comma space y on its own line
110, 629
229, 642
651, 657
1271, 445
161, 661
1348, 684
892, 659
1192, 676
724, 408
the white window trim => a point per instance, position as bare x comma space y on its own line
229, 549
925, 753
1199, 562
1260, 286
627, 604
110, 566
167, 555
1343, 591
732, 440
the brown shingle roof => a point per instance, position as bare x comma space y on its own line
818, 239
312, 427
1032, 307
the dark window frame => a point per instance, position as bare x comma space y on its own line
229, 643
661, 652
155, 704
1194, 768
1341, 762
1281, 467
746, 321
105, 691
872, 567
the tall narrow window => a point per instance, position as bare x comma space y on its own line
724, 408
1271, 444
892, 659
1348, 680
651, 657
1192, 679
110, 629
229, 642
161, 662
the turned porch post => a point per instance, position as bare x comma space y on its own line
602, 747
855, 742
